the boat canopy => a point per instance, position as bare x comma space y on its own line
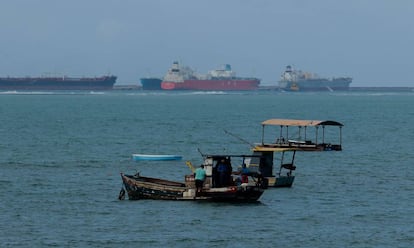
285, 141
300, 123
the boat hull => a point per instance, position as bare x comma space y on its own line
57, 83
213, 84
138, 188
234, 193
151, 83
280, 182
338, 84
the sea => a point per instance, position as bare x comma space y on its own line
61, 155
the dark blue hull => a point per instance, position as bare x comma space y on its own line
57, 83
151, 83
337, 84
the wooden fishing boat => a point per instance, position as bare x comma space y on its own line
139, 187
155, 157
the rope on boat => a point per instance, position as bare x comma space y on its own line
239, 138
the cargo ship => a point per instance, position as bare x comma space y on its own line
57, 83
297, 80
151, 83
184, 78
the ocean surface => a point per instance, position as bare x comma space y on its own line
61, 155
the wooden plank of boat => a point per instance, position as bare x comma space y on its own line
155, 157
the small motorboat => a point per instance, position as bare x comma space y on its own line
155, 157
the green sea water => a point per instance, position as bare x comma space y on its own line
61, 155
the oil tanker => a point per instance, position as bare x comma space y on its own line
184, 78
297, 80
57, 83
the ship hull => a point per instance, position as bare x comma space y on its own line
338, 84
212, 84
151, 83
55, 83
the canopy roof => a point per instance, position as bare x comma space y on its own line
218, 156
274, 149
302, 123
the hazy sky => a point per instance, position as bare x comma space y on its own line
369, 40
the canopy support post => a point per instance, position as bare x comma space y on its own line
305, 133
280, 135
263, 126
316, 140
287, 132
323, 134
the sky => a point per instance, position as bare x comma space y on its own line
371, 41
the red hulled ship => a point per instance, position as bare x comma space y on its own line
184, 78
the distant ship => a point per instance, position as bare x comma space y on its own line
57, 83
151, 83
296, 80
184, 78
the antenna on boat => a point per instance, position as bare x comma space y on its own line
239, 138
202, 155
